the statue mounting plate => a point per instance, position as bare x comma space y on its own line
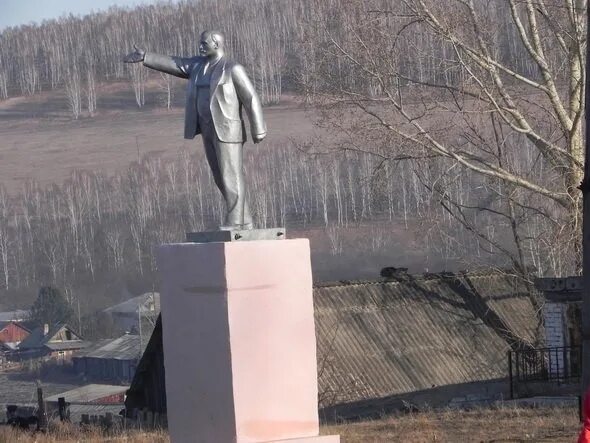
236, 235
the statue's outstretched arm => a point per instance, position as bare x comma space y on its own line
178, 66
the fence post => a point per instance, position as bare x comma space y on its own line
558, 369
516, 354
510, 375
41, 416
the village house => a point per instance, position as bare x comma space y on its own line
111, 360
12, 333
56, 343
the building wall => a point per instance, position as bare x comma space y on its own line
554, 320
106, 369
555, 333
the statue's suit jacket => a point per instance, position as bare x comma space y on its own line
230, 90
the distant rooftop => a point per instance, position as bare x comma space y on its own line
148, 302
127, 347
89, 393
18, 315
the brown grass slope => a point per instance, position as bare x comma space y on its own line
508, 424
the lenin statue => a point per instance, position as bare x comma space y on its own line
218, 89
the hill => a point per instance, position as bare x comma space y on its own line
75, 181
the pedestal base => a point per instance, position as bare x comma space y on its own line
239, 342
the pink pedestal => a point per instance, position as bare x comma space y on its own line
239, 342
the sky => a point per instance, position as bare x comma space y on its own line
19, 12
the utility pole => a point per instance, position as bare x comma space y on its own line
585, 187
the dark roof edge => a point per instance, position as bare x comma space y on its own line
426, 276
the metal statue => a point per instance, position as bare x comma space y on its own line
218, 89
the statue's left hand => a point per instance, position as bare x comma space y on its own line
257, 138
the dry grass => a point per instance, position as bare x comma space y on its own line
64, 433
484, 425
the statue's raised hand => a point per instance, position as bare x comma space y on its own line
136, 56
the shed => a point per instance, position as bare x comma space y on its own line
113, 360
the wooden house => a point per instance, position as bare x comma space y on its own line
57, 343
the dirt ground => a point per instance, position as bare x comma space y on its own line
485, 425
20, 388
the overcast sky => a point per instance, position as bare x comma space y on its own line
19, 12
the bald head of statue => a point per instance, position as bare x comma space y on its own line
212, 44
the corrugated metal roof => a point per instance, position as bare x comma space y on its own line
382, 338
89, 393
148, 302
127, 347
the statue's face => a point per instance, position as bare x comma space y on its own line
207, 47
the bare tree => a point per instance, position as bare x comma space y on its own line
73, 86
137, 76
468, 100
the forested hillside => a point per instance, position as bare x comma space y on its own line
456, 121
277, 40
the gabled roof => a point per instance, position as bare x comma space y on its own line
37, 339
18, 324
148, 302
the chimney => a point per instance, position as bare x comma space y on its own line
45, 329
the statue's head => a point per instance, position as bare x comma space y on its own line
211, 44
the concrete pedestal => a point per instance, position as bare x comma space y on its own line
239, 342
